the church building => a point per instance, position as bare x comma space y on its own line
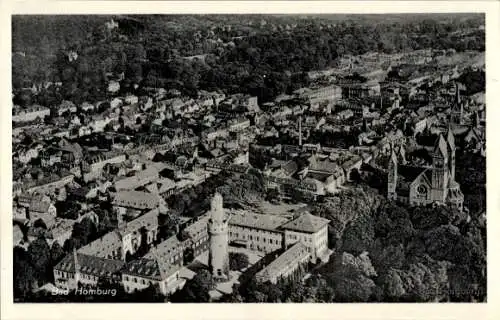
430, 184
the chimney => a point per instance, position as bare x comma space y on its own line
300, 130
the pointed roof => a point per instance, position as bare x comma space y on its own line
153, 267
160, 264
89, 264
394, 158
450, 137
440, 146
306, 223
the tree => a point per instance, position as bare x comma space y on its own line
358, 236
84, 231
350, 277
385, 257
354, 175
56, 253
25, 279
420, 283
432, 216
238, 261
392, 285
196, 289
270, 291
40, 258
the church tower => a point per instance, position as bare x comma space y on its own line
457, 109
451, 145
440, 170
392, 179
218, 257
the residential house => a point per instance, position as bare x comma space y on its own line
30, 113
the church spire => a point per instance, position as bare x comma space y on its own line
457, 93
75, 261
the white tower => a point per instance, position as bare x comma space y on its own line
218, 258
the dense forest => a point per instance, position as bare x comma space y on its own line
260, 55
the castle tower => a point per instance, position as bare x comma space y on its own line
218, 257
440, 170
392, 179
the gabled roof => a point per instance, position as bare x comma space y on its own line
257, 221
306, 223
90, 265
153, 266
296, 253
166, 249
440, 146
103, 246
198, 229
135, 199
149, 220
39, 206
410, 173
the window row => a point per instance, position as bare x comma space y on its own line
257, 238
137, 280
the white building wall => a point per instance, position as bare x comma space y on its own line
256, 239
317, 243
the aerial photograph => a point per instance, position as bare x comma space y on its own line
249, 158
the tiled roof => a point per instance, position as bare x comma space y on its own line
324, 166
296, 253
140, 178
60, 227
103, 246
198, 229
135, 199
257, 221
320, 176
409, 173
155, 268
441, 146
39, 206
90, 265
148, 220
306, 223
166, 249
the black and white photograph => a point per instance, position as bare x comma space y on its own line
248, 158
